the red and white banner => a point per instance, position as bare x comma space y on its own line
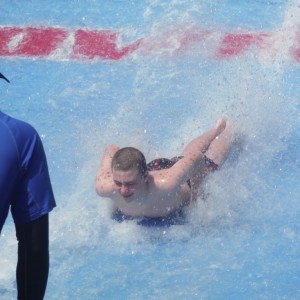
85, 44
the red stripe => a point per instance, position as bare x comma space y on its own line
235, 44
41, 42
45, 42
100, 44
35, 41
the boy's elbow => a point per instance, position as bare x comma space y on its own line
98, 189
99, 186
102, 189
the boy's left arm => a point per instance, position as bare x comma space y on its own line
104, 181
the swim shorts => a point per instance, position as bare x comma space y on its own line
24, 178
165, 163
162, 163
175, 218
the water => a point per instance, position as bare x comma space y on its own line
243, 242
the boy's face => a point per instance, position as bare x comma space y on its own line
128, 183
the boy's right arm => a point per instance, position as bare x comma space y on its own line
104, 181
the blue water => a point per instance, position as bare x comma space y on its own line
244, 241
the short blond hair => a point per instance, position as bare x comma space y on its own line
129, 158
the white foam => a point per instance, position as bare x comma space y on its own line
65, 49
15, 41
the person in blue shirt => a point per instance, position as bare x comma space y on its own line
25, 189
